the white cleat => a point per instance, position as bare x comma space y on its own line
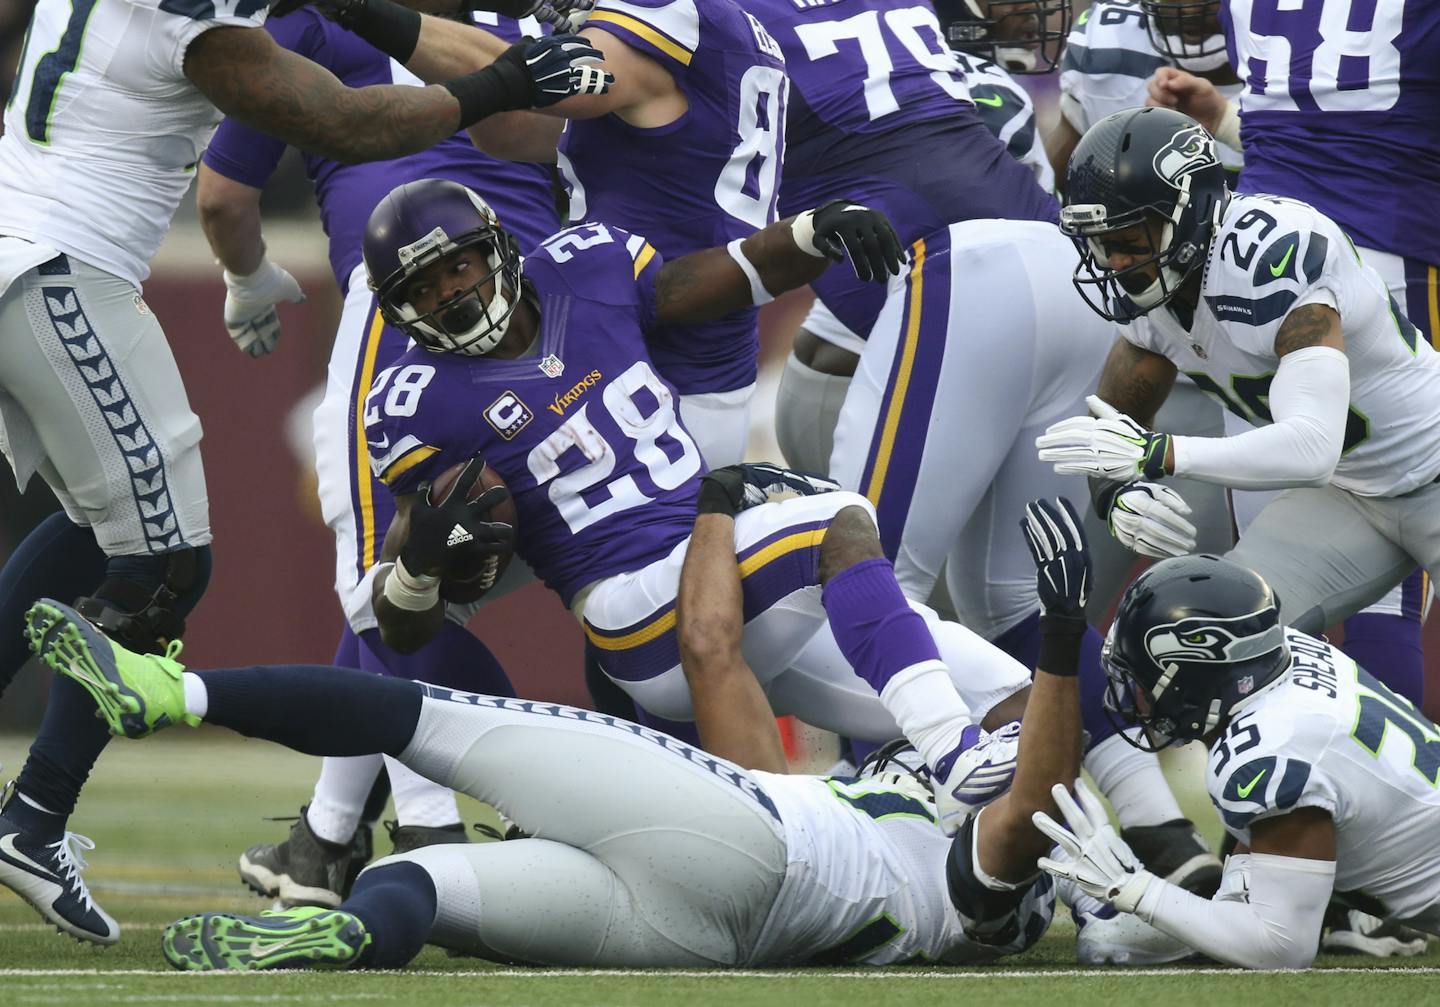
979, 770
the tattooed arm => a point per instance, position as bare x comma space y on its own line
1136, 381
1309, 325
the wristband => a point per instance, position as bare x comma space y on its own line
715, 498
802, 232
392, 29
758, 293
500, 87
1060, 637
1227, 131
406, 591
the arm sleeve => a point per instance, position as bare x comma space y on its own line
1308, 401
1277, 926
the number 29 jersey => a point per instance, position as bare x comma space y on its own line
1331, 736
1268, 257
582, 429
103, 129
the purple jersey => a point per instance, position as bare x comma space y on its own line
582, 430
1341, 109
699, 182
880, 113
346, 193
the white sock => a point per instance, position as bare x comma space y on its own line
924, 702
340, 795
1133, 783
418, 801
197, 697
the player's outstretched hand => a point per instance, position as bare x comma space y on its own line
1056, 540
845, 229
1151, 519
1090, 854
734, 488
558, 67
453, 536
250, 315
1108, 445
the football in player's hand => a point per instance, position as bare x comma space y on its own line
463, 589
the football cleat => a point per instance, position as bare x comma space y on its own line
305, 937
1351, 932
302, 870
406, 838
136, 694
1176, 852
979, 770
1106, 936
46, 874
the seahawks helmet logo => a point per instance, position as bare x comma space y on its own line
1216, 641
1189, 150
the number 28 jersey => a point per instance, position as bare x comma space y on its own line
103, 129
1331, 736
582, 430
1268, 257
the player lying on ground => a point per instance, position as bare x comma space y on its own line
1325, 776
645, 851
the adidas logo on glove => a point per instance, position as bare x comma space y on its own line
458, 536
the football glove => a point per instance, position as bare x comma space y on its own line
564, 15
734, 488
1090, 854
1056, 541
453, 537
1150, 519
250, 315
841, 228
1109, 445
559, 67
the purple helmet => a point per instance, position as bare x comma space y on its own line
421, 222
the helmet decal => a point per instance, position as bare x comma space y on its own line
1188, 151
1215, 641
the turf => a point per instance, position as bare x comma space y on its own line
171, 814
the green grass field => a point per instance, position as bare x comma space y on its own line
170, 816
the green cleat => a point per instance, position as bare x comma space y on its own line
136, 694
306, 937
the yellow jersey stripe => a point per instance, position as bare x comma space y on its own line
367, 531
781, 547
1434, 299
902, 380
406, 462
641, 636
643, 259
664, 43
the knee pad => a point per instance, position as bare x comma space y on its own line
1007, 918
143, 601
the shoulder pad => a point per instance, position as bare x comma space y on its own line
1268, 785
1111, 39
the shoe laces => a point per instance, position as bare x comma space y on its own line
70, 861
173, 649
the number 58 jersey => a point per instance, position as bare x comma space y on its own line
1331, 736
103, 129
582, 429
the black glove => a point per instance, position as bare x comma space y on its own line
844, 228
452, 537
1062, 556
552, 12
734, 488
559, 67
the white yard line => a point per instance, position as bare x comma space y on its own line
857, 973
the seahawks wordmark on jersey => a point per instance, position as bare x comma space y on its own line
1270, 256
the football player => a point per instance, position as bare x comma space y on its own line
648, 853
1265, 303
685, 148
1325, 776
312, 865
100, 145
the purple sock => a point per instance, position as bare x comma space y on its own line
877, 630
1388, 646
455, 659
347, 651
1022, 642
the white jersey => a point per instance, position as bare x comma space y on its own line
103, 129
1108, 60
1008, 113
1331, 736
1270, 256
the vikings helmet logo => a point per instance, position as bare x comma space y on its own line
1189, 150
1214, 641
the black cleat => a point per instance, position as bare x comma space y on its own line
303, 870
1176, 852
1351, 932
406, 838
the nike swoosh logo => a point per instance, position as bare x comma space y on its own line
7, 848
994, 102
381, 445
258, 950
1279, 268
1245, 790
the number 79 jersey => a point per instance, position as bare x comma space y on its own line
1268, 257
1331, 736
582, 430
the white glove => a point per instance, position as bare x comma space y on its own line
1150, 519
1095, 859
250, 301
1109, 445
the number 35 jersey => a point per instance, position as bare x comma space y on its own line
103, 129
582, 429
1331, 736
1270, 256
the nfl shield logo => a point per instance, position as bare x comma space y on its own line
551, 366
1245, 685
1199, 351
